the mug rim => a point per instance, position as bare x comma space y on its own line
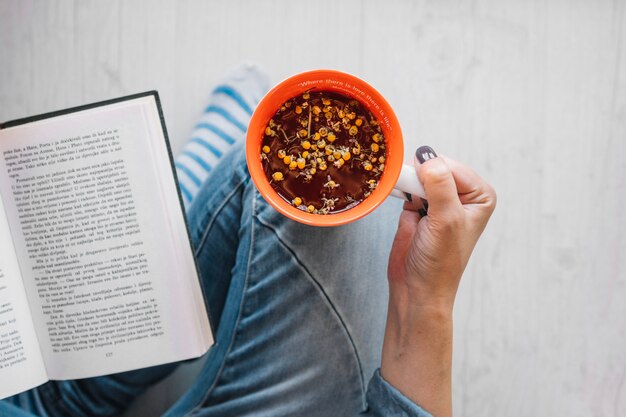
378, 105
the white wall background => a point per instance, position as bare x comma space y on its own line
530, 93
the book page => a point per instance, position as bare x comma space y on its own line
21, 364
101, 241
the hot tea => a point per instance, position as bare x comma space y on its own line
323, 152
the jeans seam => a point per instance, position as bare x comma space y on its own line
240, 313
219, 208
331, 304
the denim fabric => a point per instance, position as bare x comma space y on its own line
103, 396
384, 400
299, 314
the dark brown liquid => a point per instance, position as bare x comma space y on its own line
341, 185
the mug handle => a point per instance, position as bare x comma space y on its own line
408, 184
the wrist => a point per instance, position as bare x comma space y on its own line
412, 300
417, 353
409, 318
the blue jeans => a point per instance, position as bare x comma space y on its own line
299, 313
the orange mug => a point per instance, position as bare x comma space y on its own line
397, 179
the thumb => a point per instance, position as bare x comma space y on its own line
439, 186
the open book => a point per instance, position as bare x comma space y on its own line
97, 272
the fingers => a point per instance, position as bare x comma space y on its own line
416, 204
440, 187
472, 189
452, 187
409, 216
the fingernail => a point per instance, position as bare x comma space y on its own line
424, 153
409, 197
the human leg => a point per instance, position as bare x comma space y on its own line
302, 323
93, 397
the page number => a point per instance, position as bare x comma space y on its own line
108, 354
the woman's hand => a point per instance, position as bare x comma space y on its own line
427, 260
429, 254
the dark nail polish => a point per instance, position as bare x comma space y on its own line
409, 197
425, 204
422, 212
424, 153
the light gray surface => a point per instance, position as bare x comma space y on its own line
530, 93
